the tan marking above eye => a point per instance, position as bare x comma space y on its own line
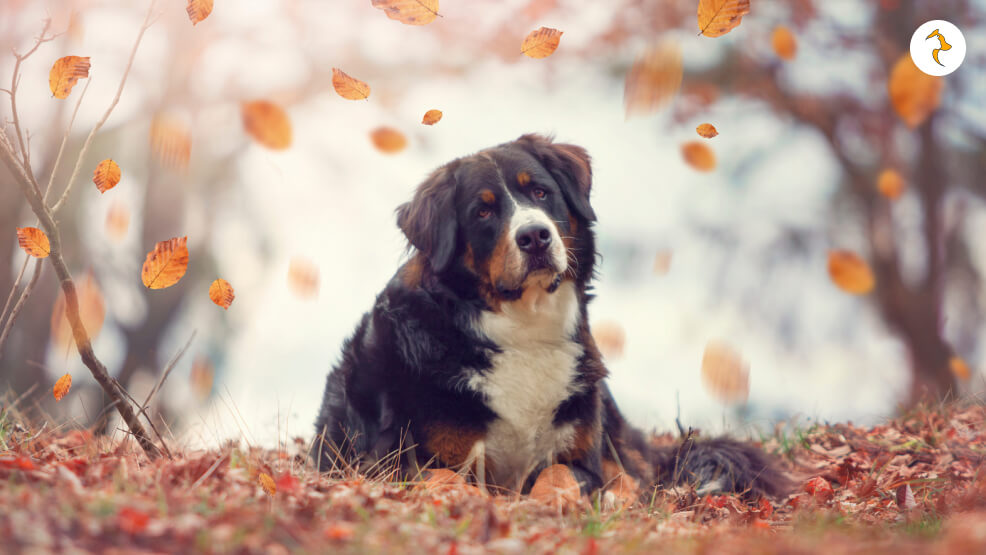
523, 178
487, 196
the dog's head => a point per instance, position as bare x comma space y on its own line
514, 216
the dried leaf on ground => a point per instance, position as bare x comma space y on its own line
541, 43
34, 242
165, 264
348, 86
409, 12
106, 175
653, 80
718, 17
267, 483
556, 486
65, 72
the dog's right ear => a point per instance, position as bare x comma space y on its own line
428, 220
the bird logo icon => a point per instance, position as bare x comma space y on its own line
944, 45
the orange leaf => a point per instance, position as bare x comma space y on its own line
303, 277
171, 142
388, 140
62, 386
707, 130
610, 338
725, 374
699, 156
339, 531
662, 262
221, 293
850, 272
166, 264
784, 43
913, 93
653, 79
266, 482
117, 220
65, 73
106, 175
541, 43
349, 87
201, 377
718, 17
33, 241
959, 368
409, 12
441, 479
92, 312
432, 117
132, 521
819, 488
268, 124
198, 10
890, 184
556, 485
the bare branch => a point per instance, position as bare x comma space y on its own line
10, 297
61, 148
148, 21
15, 80
20, 302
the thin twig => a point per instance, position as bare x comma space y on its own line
61, 148
15, 80
10, 297
148, 21
165, 374
20, 304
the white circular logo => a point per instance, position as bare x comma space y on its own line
937, 47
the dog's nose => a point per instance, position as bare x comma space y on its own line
533, 238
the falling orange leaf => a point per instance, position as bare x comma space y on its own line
62, 386
890, 184
850, 272
267, 123
117, 220
959, 368
409, 12
33, 241
707, 130
166, 264
92, 312
106, 175
201, 377
171, 142
348, 86
432, 117
303, 277
725, 374
65, 72
388, 140
653, 79
913, 93
699, 156
662, 262
610, 338
198, 10
718, 17
221, 293
266, 482
784, 42
541, 43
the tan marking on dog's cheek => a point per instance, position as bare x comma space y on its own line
503, 263
523, 178
451, 444
487, 196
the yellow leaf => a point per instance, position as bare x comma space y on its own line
541, 43
303, 277
850, 272
62, 386
432, 117
959, 368
268, 124
653, 79
913, 93
718, 17
725, 374
890, 184
106, 175
409, 12
65, 73
221, 293
166, 264
610, 338
171, 142
92, 312
117, 220
33, 241
784, 42
349, 87
198, 10
267, 483
699, 156
388, 140
706, 130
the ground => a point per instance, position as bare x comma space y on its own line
915, 484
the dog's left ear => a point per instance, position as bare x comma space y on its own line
429, 220
569, 165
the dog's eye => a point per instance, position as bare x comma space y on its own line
540, 193
484, 213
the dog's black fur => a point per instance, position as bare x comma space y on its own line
403, 384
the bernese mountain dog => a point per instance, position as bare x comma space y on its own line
477, 356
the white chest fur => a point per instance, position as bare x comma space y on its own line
529, 378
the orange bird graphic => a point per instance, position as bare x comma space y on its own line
944, 45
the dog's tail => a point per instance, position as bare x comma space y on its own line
719, 465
